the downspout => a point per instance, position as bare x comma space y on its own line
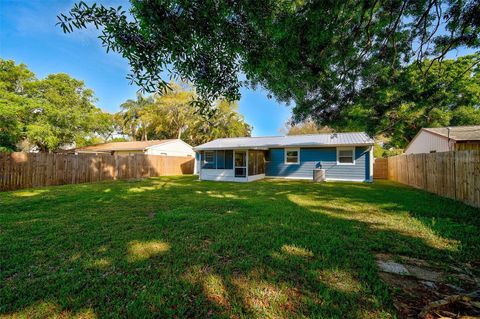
371, 164
448, 138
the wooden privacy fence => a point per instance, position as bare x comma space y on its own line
25, 170
380, 168
450, 174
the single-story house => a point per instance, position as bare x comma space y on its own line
172, 147
444, 139
342, 156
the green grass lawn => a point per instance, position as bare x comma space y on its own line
177, 247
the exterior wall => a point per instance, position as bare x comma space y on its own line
226, 175
216, 174
426, 142
174, 148
325, 158
126, 153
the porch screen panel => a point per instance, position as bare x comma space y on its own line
220, 159
228, 159
256, 162
261, 162
208, 159
251, 163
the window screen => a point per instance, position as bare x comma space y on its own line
208, 159
220, 159
345, 156
291, 156
228, 159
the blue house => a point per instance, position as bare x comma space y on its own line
341, 156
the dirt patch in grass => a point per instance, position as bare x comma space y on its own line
423, 290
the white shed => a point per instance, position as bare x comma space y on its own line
444, 139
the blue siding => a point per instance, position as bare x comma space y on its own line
326, 158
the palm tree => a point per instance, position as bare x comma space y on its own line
133, 116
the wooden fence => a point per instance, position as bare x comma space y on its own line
380, 168
454, 175
25, 170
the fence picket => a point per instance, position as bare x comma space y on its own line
24, 170
453, 174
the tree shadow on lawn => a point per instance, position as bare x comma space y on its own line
176, 247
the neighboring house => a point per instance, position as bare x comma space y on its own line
174, 147
343, 156
444, 139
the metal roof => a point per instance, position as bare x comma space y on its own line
310, 140
458, 133
122, 146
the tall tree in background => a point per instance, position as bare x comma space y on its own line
320, 54
306, 127
48, 113
224, 122
13, 102
172, 115
134, 117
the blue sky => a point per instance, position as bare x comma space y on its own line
28, 35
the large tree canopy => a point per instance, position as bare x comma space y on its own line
398, 105
319, 54
46, 113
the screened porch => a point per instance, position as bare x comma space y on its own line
232, 165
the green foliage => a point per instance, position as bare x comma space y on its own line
174, 247
172, 115
399, 104
385, 150
13, 102
317, 53
48, 113
306, 127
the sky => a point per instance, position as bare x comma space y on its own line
28, 35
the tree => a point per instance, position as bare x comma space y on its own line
306, 127
172, 115
224, 122
47, 113
319, 54
398, 106
134, 117
13, 102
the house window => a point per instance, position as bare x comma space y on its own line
345, 156
292, 156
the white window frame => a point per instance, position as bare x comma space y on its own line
291, 150
205, 157
350, 148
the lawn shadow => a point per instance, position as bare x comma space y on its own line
173, 246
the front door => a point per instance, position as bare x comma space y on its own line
240, 164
